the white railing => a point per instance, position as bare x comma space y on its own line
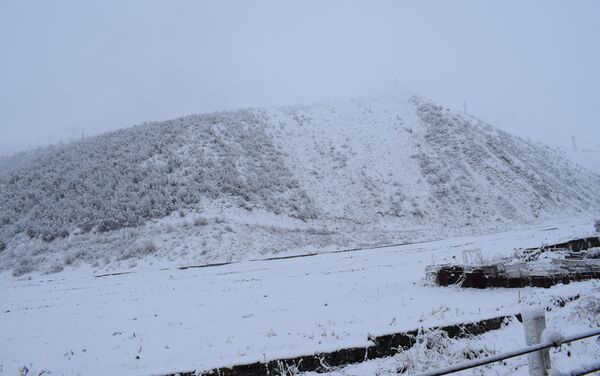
534, 323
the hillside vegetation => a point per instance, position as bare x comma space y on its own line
231, 185
126, 177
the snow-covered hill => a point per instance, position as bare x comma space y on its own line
236, 185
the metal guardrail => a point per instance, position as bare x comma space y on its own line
515, 353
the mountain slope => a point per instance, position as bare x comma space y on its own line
241, 184
415, 160
129, 176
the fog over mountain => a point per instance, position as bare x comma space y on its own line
73, 69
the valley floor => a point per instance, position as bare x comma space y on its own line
157, 320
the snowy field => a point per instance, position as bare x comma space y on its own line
157, 320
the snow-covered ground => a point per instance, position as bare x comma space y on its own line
157, 319
434, 350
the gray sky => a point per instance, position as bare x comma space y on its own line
67, 67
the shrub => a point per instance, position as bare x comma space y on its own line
55, 268
320, 231
146, 248
586, 311
25, 265
597, 225
68, 259
200, 221
436, 347
2, 246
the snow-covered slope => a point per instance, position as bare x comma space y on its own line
590, 159
412, 160
242, 184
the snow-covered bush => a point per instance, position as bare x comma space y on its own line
2, 246
587, 311
324, 231
25, 265
434, 348
597, 225
200, 221
146, 248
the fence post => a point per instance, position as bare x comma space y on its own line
534, 323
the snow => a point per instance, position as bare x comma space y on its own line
157, 320
409, 183
552, 335
253, 183
589, 159
584, 369
530, 314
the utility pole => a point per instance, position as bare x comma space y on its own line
573, 141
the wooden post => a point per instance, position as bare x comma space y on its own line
534, 323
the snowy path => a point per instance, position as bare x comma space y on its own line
173, 320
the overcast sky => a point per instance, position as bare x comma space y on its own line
73, 67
